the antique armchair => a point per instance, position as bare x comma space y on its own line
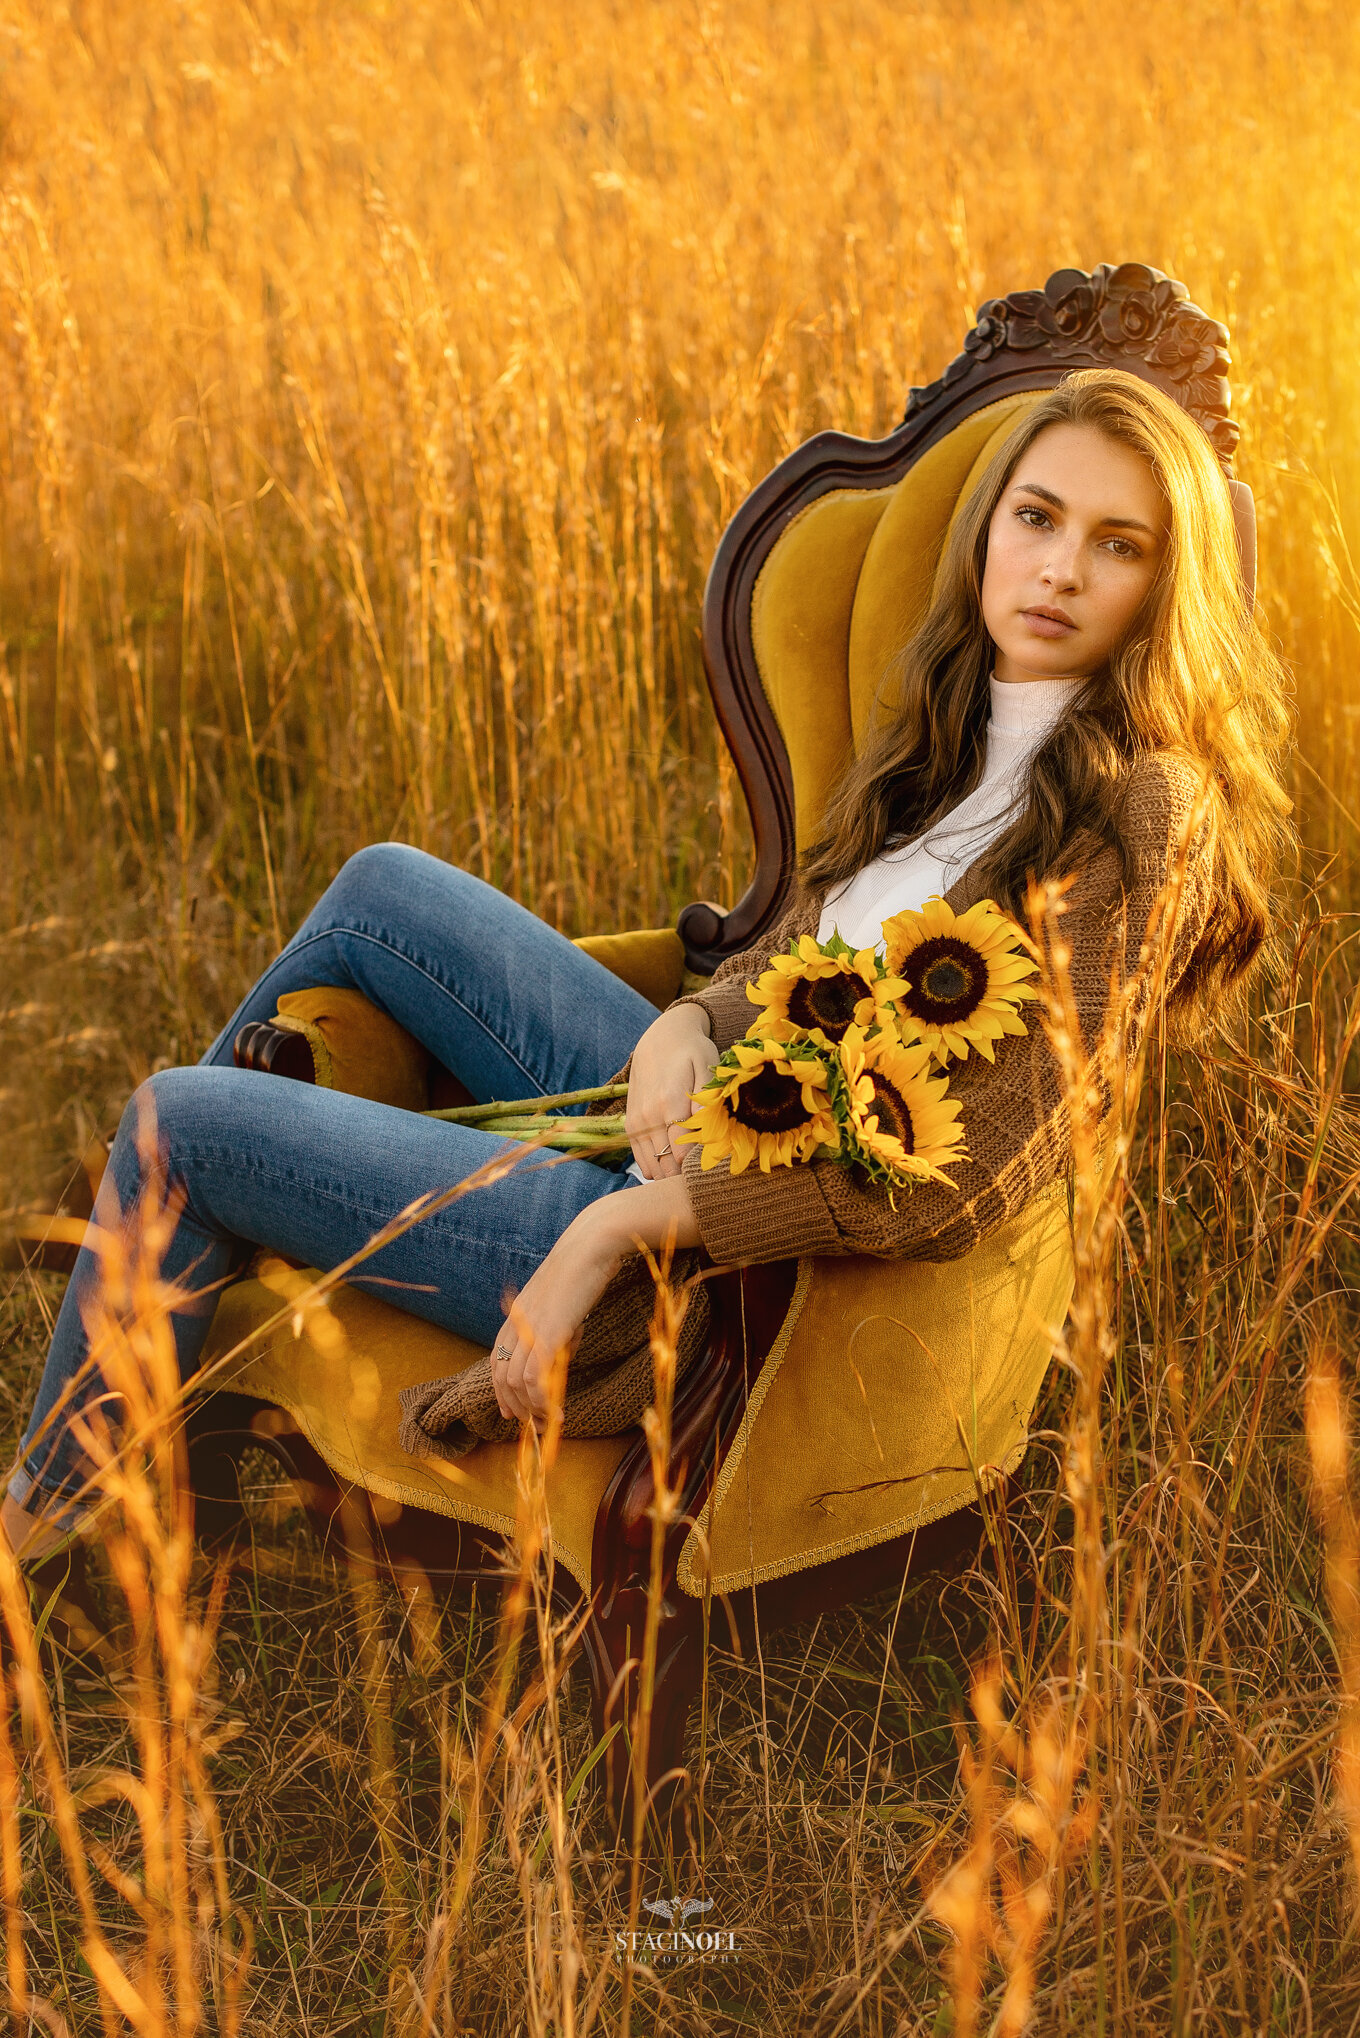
848, 1414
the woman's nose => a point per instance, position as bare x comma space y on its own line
1062, 568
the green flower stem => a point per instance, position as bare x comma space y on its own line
561, 1134
477, 1114
589, 1128
568, 1142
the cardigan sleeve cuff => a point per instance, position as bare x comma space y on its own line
755, 1217
731, 1014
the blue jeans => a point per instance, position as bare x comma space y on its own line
508, 1005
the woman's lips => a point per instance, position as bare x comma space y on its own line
1046, 625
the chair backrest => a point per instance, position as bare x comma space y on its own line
828, 566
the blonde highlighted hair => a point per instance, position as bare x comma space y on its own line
1194, 675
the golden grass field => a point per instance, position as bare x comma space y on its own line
375, 382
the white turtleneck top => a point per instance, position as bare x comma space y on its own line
903, 878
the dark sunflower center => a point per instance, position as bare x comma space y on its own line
769, 1102
946, 981
828, 1002
894, 1117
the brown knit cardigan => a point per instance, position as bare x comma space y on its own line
1014, 1116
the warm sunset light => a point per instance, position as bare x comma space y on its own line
378, 382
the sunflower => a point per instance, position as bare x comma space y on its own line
900, 1119
819, 992
964, 974
763, 1103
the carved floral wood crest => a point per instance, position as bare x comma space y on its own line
1129, 317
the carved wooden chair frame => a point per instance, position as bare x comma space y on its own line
1130, 317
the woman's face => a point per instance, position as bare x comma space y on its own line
1073, 546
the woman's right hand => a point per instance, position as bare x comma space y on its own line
670, 1062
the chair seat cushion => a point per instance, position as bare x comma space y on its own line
339, 1381
895, 1390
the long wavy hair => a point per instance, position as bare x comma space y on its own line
1194, 675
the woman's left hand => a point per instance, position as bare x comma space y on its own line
546, 1316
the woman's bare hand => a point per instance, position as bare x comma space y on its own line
543, 1324
670, 1062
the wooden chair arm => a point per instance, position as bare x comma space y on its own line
748, 1310
270, 1051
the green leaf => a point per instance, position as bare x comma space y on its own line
573, 1789
40, 1625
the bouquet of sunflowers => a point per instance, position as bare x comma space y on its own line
848, 1060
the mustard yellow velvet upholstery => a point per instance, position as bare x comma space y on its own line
842, 590
801, 614
340, 1380
651, 959
356, 1048
899, 567
894, 1389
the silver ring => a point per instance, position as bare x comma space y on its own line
502, 1356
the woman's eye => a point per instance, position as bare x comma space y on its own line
1037, 519
1122, 549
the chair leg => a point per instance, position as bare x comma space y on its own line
646, 1753
217, 1432
748, 1309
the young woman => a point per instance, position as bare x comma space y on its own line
1088, 697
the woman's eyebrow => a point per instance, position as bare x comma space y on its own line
1119, 523
1046, 494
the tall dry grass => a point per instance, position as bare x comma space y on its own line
376, 382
